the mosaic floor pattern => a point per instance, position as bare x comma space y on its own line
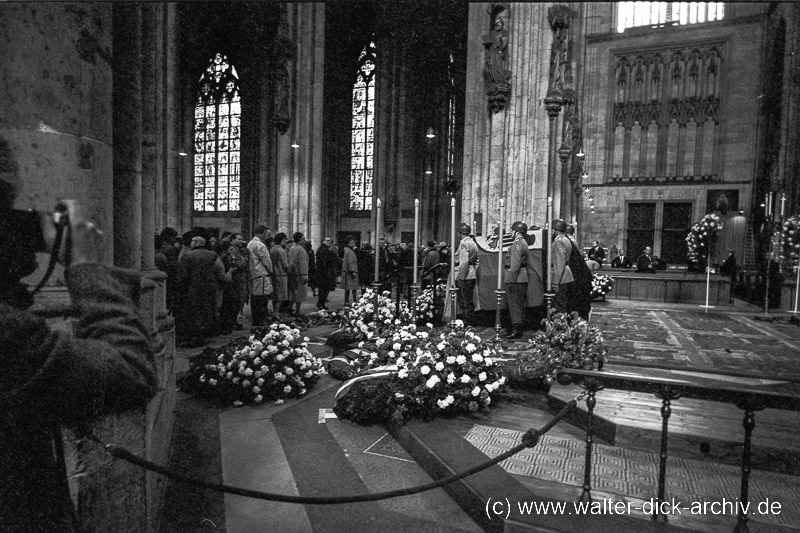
634, 474
681, 339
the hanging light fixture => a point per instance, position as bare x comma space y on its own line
430, 134
295, 143
585, 175
428, 170
587, 190
580, 153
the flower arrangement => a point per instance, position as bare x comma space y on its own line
601, 285
251, 370
365, 320
430, 304
699, 239
423, 375
791, 239
566, 342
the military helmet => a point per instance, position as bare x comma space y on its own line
559, 225
519, 227
464, 229
570, 229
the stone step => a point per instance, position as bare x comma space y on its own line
698, 430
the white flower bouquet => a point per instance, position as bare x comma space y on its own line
275, 366
601, 285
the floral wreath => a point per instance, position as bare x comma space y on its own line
699, 239
414, 373
251, 370
791, 239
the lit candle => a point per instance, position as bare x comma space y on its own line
783, 204
453, 248
500, 249
377, 237
416, 237
550, 248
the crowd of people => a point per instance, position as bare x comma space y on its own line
210, 280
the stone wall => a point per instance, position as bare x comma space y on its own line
680, 168
59, 114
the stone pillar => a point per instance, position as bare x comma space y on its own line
56, 111
504, 151
151, 132
127, 134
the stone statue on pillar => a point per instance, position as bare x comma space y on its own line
495, 73
559, 18
282, 52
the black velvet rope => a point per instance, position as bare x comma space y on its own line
529, 440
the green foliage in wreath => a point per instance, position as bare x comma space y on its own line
566, 342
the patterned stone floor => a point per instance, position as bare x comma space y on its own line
729, 343
631, 475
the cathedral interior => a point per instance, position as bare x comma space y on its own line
630, 120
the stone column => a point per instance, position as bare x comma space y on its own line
504, 151
559, 19
151, 131
127, 134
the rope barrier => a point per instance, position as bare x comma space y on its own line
529, 440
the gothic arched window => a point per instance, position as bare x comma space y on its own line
660, 14
217, 138
363, 131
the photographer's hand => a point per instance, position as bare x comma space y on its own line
83, 242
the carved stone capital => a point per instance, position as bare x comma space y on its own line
552, 105
558, 16
563, 152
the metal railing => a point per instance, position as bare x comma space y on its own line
748, 399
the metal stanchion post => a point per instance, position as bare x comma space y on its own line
497, 341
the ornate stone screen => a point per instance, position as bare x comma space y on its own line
666, 110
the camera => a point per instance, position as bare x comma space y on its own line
25, 227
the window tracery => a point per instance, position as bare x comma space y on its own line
363, 131
217, 138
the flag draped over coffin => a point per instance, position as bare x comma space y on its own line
485, 297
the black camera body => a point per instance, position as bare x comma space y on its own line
26, 227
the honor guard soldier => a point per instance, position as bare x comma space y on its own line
467, 273
517, 278
562, 275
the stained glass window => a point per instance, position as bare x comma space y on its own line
363, 131
660, 14
217, 138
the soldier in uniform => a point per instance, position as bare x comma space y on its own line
517, 278
562, 275
466, 273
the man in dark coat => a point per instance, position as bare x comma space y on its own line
646, 262
202, 274
327, 269
580, 296
54, 377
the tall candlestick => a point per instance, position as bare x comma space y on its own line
500, 249
416, 238
453, 248
549, 247
769, 204
453, 251
783, 204
498, 343
377, 237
